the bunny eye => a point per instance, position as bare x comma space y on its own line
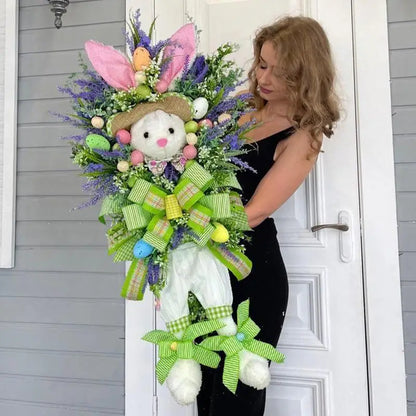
146, 135
171, 131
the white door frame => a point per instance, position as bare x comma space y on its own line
383, 313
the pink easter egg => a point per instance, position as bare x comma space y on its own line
136, 157
190, 151
205, 122
123, 136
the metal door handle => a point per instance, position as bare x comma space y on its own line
340, 227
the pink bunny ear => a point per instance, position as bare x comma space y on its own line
181, 48
111, 64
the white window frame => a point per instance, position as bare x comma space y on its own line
9, 134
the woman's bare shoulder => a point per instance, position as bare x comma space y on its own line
300, 144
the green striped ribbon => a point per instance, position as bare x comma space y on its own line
238, 215
135, 216
172, 348
244, 339
187, 193
135, 280
140, 189
159, 232
198, 175
219, 204
203, 238
237, 262
231, 181
125, 251
112, 204
149, 196
199, 217
118, 236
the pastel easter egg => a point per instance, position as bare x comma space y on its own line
191, 138
191, 126
96, 141
136, 157
142, 249
139, 77
116, 146
220, 234
189, 151
205, 123
200, 106
97, 122
143, 91
141, 58
123, 166
222, 118
123, 136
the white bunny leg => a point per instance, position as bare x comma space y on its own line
184, 380
254, 370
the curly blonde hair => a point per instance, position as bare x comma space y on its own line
306, 66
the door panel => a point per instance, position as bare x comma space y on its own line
323, 336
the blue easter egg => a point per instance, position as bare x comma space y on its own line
240, 336
142, 249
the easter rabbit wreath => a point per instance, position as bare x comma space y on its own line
160, 150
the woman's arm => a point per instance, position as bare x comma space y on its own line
284, 177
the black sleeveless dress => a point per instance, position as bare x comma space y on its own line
266, 287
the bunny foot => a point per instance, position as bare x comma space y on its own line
184, 380
254, 370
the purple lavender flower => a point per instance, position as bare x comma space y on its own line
237, 161
99, 187
109, 154
78, 138
153, 272
227, 105
171, 173
177, 237
196, 73
233, 141
93, 167
155, 50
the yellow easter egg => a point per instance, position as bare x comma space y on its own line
220, 234
141, 58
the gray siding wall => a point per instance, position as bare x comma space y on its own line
402, 39
61, 316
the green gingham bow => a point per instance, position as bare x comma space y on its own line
148, 202
244, 339
172, 348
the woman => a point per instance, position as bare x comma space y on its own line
292, 82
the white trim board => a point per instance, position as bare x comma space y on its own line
384, 328
8, 173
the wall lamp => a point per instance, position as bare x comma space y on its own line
58, 7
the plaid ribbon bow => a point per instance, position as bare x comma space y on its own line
244, 339
172, 348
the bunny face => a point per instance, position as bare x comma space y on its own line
158, 135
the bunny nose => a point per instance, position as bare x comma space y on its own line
162, 142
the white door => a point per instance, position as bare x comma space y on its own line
325, 372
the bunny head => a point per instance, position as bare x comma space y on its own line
158, 135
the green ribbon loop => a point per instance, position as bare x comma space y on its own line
159, 232
219, 204
237, 262
112, 204
198, 175
135, 280
136, 216
171, 348
244, 339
